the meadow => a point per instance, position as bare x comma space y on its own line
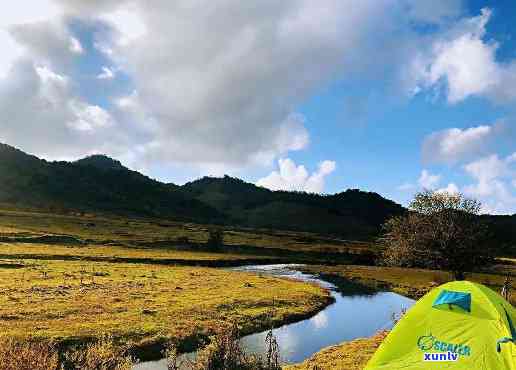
111, 230
75, 279
142, 304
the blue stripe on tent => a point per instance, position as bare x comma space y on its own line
460, 299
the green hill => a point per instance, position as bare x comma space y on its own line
99, 183
352, 214
95, 183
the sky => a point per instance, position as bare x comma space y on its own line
390, 96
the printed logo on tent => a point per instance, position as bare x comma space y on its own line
429, 342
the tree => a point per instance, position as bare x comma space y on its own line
215, 240
440, 231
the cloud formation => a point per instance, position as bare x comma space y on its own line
450, 189
429, 181
455, 144
209, 85
493, 177
462, 64
293, 177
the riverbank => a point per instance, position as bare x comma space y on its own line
143, 306
412, 283
352, 355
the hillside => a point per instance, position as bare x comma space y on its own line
351, 214
99, 183
96, 183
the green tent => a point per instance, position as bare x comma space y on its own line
458, 325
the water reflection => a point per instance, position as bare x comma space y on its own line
320, 321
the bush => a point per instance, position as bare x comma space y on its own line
226, 353
101, 355
215, 240
17, 355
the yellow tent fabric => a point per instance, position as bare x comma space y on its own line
439, 327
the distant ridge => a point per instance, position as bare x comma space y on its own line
102, 162
100, 183
352, 213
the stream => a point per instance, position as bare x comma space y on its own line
357, 312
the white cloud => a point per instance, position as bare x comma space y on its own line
75, 46
214, 86
127, 20
23, 12
89, 117
454, 144
428, 180
450, 189
465, 64
106, 74
293, 177
225, 83
493, 176
487, 168
47, 118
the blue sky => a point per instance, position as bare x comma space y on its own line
390, 96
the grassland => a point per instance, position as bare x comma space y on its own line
104, 230
142, 304
76, 278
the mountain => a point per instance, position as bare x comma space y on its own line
99, 183
95, 183
101, 162
353, 214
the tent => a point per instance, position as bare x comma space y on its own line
458, 325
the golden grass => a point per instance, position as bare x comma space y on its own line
351, 355
20, 250
141, 303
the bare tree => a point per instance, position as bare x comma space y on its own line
440, 231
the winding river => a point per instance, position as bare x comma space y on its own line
357, 312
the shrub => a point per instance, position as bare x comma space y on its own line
100, 355
18, 355
215, 240
225, 352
